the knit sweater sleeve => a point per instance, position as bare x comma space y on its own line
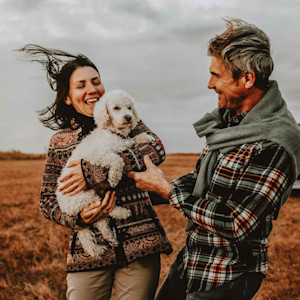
48, 204
133, 158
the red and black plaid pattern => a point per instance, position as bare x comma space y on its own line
234, 220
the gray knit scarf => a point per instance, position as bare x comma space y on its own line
269, 119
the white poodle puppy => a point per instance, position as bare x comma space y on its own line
115, 116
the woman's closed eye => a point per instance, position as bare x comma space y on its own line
96, 82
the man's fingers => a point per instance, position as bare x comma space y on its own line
148, 161
132, 175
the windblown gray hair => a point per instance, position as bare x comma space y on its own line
243, 48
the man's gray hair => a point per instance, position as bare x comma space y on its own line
243, 48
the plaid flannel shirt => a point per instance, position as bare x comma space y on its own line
232, 223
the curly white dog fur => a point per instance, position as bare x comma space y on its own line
115, 116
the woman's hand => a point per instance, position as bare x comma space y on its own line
73, 182
99, 209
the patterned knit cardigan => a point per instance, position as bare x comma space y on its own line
140, 235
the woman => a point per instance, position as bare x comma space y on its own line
133, 267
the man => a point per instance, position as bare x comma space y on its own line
243, 176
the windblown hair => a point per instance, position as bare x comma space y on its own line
59, 66
243, 48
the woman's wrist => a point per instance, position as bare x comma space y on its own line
80, 222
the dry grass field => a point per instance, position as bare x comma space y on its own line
33, 249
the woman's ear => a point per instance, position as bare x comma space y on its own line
68, 101
250, 78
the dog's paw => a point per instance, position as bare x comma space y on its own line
100, 250
113, 182
143, 138
114, 177
126, 213
114, 243
94, 249
97, 251
120, 213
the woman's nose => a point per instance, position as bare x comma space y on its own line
91, 89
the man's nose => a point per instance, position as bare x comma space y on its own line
211, 84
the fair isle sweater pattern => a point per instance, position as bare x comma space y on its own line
140, 235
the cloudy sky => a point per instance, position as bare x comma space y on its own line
153, 49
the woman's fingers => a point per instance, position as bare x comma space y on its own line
73, 163
77, 189
68, 189
105, 200
73, 183
91, 212
99, 209
112, 202
71, 173
66, 177
93, 205
74, 176
109, 201
66, 185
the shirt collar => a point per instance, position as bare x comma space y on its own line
233, 119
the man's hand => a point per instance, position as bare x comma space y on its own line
153, 179
99, 209
73, 182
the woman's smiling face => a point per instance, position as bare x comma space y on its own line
85, 89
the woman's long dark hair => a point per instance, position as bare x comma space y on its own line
59, 66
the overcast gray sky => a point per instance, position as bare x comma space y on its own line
153, 49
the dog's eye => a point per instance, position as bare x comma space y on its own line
116, 108
129, 107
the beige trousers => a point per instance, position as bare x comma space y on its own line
136, 281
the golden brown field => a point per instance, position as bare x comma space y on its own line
33, 249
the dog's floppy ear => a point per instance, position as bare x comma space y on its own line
101, 115
134, 111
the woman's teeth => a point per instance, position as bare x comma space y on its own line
94, 100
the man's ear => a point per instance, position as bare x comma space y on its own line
68, 101
250, 78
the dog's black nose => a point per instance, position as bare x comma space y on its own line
128, 118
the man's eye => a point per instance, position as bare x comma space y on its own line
80, 87
116, 108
